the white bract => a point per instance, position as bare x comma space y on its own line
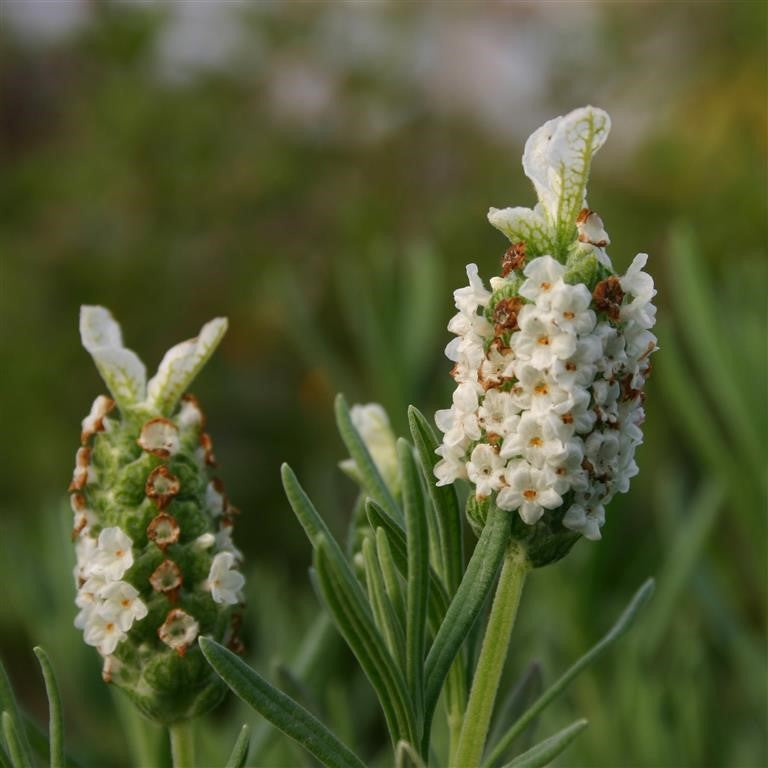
550, 364
126, 375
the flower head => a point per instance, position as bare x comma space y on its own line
551, 362
150, 520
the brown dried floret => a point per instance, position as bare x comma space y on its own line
179, 630
163, 530
235, 644
229, 517
162, 486
80, 475
628, 392
159, 437
166, 578
608, 296
94, 421
207, 445
80, 508
505, 314
513, 258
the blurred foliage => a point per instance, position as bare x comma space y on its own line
332, 239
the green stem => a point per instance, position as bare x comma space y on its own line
493, 654
182, 744
454, 734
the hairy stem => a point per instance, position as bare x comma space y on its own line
182, 744
493, 654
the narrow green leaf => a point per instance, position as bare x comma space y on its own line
389, 573
13, 742
438, 598
417, 584
379, 518
546, 751
445, 502
8, 704
350, 609
310, 519
617, 630
295, 688
372, 480
383, 610
282, 711
56, 726
308, 664
466, 604
239, 752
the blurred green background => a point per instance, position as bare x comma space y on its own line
320, 173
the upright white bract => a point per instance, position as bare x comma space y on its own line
550, 363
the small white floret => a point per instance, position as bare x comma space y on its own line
224, 581
103, 633
113, 555
121, 603
485, 470
585, 521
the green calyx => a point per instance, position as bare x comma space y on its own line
582, 266
544, 542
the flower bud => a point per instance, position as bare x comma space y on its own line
372, 422
550, 363
144, 499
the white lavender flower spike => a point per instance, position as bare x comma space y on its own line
551, 362
156, 565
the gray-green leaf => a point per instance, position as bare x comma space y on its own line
546, 751
282, 711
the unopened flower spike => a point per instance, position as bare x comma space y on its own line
550, 361
156, 566
372, 422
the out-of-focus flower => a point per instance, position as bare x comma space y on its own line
372, 422
150, 525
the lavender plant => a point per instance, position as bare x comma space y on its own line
550, 364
